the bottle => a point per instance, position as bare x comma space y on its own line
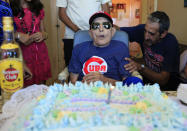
11, 62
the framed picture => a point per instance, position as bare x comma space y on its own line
185, 3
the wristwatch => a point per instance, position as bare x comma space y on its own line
142, 66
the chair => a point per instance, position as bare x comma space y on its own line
83, 36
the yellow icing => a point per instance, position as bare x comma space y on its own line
40, 97
141, 105
165, 96
102, 91
60, 115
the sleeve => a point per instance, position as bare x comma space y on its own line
42, 14
136, 33
105, 1
183, 60
171, 55
121, 60
75, 65
61, 3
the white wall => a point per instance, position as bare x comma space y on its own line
178, 17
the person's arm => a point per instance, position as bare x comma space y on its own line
23, 38
43, 30
75, 66
160, 78
97, 76
73, 77
183, 60
135, 33
27, 73
66, 20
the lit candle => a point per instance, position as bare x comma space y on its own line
109, 94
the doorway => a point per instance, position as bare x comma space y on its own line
127, 13
55, 29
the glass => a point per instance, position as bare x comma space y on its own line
96, 25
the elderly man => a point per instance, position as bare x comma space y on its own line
160, 51
101, 59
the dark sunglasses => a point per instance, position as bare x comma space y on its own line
106, 25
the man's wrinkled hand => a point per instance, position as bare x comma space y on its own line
92, 77
132, 65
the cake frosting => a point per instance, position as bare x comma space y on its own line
88, 107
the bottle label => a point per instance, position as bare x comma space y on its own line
9, 46
11, 75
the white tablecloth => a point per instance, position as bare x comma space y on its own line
182, 106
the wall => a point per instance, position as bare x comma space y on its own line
54, 43
178, 17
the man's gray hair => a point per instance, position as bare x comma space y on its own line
162, 19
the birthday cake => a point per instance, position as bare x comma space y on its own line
99, 107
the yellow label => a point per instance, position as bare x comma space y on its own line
8, 28
9, 46
11, 74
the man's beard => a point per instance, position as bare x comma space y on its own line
148, 42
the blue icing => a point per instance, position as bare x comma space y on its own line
139, 87
178, 114
37, 111
41, 102
39, 124
80, 121
78, 84
66, 121
59, 87
119, 84
98, 84
66, 86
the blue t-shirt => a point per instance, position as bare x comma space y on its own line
163, 56
108, 60
5, 10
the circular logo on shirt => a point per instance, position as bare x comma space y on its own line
94, 64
